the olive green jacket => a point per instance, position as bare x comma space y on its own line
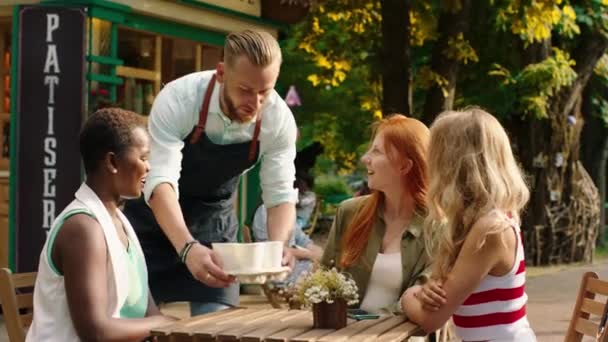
414, 259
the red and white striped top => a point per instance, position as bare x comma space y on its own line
496, 310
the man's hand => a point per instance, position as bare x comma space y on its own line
206, 267
288, 258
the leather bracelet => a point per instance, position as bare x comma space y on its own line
183, 254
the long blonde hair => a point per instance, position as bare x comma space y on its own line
472, 171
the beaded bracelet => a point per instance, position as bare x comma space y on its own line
183, 254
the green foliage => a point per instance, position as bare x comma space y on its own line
331, 186
592, 14
338, 117
327, 39
601, 69
334, 58
538, 82
533, 21
601, 107
598, 88
461, 50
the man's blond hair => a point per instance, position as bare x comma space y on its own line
260, 48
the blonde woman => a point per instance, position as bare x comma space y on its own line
476, 194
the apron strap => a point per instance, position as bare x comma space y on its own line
202, 117
202, 121
256, 135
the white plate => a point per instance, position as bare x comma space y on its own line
260, 276
257, 271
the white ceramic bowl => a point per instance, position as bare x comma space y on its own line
273, 254
250, 258
240, 257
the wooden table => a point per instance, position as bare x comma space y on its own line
252, 325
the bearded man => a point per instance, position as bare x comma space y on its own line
208, 128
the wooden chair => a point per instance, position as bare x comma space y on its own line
314, 218
17, 300
582, 322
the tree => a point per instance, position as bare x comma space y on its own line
396, 56
594, 137
447, 57
343, 38
546, 121
526, 61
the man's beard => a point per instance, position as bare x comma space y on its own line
231, 111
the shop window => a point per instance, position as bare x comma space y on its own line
141, 54
99, 93
210, 56
5, 91
152, 60
179, 58
5, 66
137, 49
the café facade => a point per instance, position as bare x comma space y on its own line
60, 60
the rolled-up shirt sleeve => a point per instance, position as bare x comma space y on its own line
277, 173
169, 123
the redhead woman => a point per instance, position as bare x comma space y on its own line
378, 238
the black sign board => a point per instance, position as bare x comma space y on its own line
50, 110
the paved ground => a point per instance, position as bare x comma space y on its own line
551, 293
551, 299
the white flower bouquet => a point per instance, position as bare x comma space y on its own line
324, 286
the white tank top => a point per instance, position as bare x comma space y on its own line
496, 310
52, 320
385, 282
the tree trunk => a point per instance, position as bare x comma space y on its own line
594, 151
562, 218
451, 24
396, 57
529, 135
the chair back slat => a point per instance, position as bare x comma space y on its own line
16, 300
588, 310
25, 301
24, 279
586, 327
597, 286
593, 307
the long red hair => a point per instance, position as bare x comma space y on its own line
404, 138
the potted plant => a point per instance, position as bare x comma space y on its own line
328, 292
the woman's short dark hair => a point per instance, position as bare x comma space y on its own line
107, 130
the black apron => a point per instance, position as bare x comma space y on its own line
207, 186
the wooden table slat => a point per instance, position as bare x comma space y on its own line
293, 318
399, 333
288, 334
352, 330
167, 329
274, 325
236, 332
312, 335
373, 332
211, 331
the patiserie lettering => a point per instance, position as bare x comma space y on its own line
52, 73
